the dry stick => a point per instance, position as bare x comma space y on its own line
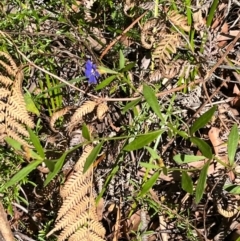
5, 229
119, 37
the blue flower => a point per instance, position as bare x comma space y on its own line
91, 72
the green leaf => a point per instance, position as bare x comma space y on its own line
13, 143
104, 70
152, 101
22, 174
149, 184
105, 82
203, 147
121, 60
31, 107
58, 165
85, 132
183, 159
50, 164
153, 153
142, 141
130, 105
232, 188
36, 142
211, 13
148, 165
202, 120
93, 156
232, 144
187, 184
201, 183
128, 67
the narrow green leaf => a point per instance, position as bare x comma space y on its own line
201, 183
211, 13
22, 174
153, 153
104, 70
128, 67
203, 147
85, 132
31, 107
105, 82
232, 144
187, 184
58, 165
121, 60
93, 156
149, 184
130, 105
36, 142
50, 164
13, 143
202, 120
148, 165
152, 101
142, 141
232, 188
183, 159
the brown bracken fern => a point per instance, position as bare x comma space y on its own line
13, 114
77, 218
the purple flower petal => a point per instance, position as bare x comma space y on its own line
91, 72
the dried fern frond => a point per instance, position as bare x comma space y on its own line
5, 80
55, 116
101, 111
4, 93
167, 46
77, 218
179, 20
86, 108
155, 76
9, 65
13, 113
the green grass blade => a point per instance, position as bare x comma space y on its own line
93, 156
232, 144
149, 184
211, 12
85, 132
152, 101
36, 142
183, 159
187, 183
121, 60
142, 141
105, 82
203, 147
22, 174
201, 183
202, 120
